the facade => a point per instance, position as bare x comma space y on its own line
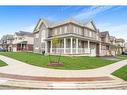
105, 43
126, 46
120, 43
0, 44
23, 41
113, 46
7, 42
75, 38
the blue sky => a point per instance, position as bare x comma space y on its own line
106, 18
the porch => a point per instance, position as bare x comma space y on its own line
74, 46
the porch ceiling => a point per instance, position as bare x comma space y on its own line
23, 42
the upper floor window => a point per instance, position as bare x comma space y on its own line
60, 30
65, 30
37, 35
20, 38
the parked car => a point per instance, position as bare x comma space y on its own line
2, 50
124, 53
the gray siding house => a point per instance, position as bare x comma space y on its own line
76, 38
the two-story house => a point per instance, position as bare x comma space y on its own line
120, 43
113, 47
105, 43
1, 44
76, 38
7, 42
126, 46
23, 41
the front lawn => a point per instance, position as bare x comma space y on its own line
121, 73
122, 57
70, 63
2, 63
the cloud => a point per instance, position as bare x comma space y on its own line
28, 28
92, 11
119, 31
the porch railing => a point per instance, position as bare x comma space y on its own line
68, 50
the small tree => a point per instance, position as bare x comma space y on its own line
55, 45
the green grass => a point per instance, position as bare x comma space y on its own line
121, 73
122, 57
2, 63
70, 63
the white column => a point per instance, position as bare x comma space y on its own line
76, 45
88, 46
84, 47
71, 45
51, 47
64, 45
100, 49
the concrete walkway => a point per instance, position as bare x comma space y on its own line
20, 68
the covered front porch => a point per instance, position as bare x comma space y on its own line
22, 46
74, 46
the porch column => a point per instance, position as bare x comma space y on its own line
51, 47
76, 45
71, 45
88, 46
100, 49
64, 45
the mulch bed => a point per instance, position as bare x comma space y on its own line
55, 64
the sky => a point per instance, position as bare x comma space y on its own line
24, 18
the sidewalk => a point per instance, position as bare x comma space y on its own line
21, 68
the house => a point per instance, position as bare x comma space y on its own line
113, 46
126, 46
0, 44
105, 43
7, 42
76, 38
23, 41
120, 43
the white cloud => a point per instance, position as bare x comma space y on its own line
92, 11
28, 28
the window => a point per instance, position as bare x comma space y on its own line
65, 29
20, 38
60, 30
37, 35
85, 32
80, 31
55, 31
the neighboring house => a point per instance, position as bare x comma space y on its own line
6, 42
126, 46
23, 41
113, 46
76, 38
120, 43
105, 43
0, 44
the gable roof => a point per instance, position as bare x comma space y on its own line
24, 33
103, 34
120, 40
51, 24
